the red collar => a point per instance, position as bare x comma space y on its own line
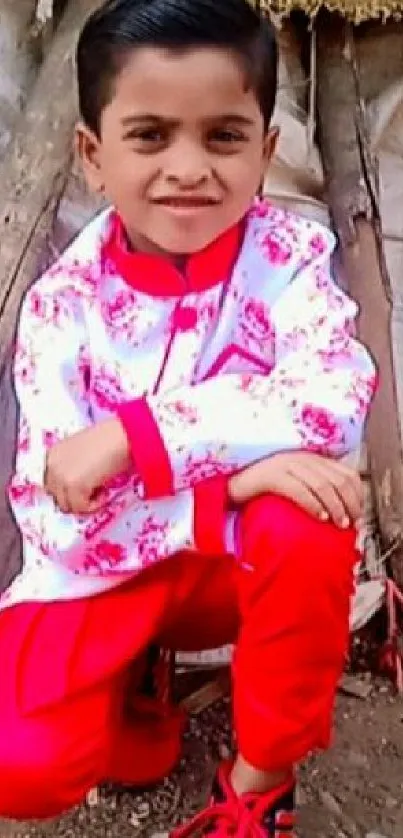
158, 277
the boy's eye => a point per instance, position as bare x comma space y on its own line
226, 135
147, 139
150, 135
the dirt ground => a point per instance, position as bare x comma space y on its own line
354, 791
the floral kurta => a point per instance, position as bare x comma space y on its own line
248, 352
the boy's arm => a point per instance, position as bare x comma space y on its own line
316, 397
50, 379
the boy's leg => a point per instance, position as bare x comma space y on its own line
64, 674
294, 581
295, 586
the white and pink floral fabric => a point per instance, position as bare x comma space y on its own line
249, 352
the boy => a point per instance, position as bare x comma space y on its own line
188, 380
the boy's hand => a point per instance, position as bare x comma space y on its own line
78, 467
325, 488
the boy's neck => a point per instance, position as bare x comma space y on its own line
136, 243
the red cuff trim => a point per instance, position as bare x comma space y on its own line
210, 504
147, 448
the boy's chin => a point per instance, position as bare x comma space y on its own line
186, 244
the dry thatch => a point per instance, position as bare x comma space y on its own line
356, 12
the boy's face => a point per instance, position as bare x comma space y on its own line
182, 149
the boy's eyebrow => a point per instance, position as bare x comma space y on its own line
135, 119
236, 117
142, 117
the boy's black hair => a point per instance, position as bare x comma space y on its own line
120, 26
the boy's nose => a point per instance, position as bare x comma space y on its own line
187, 167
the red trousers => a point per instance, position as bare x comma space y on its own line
65, 665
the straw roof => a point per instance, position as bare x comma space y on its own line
355, 11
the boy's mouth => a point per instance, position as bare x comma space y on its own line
186, 202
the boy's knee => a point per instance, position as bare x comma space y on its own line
36, 779
274, 527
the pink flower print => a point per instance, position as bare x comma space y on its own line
123, 305
246, 381
185, 413
50, 438
107, 388
335, 299
321, 425
260, 208
208, 311
195, 471
289, 382
24, 436
48, 308
22, 492
84, 369
104, 556
150, 540
84, 276
294, 340
256, 324
97, 523
277, 252
317, 244
37, 305
257, 387
24, 365
290, 226
89, 273
122, 481
338, 349
321, 279
361, 392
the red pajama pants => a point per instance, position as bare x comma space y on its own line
65, 665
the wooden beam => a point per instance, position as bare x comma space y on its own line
352, 181
32, 178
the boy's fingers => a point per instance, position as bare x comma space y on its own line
348, 486
318, 482
80, 503
349, 497
245, 484
60, 497
297, 490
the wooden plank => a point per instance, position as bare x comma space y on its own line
32, 177
352, 179
208, 694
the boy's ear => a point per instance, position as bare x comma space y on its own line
87, 146
270, 142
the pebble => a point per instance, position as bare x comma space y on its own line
300, 796
93, 797
330, 802
391, 802
134, 820
224, 751
358, 760
143, 809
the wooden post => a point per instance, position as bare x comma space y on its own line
353, 199
32, 177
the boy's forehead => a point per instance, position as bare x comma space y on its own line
170, 82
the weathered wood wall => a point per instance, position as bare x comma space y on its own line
33, 175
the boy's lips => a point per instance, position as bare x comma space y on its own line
186, 202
